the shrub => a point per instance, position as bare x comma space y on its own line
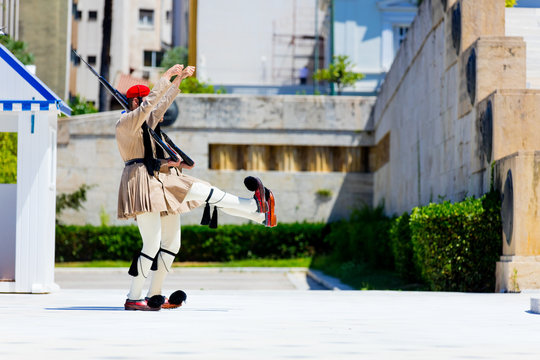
79, 106
402, 248
362, 239
173, 56
228, 242
510, 3
457, 245
18, 48
8, 158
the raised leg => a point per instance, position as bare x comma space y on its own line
201, 192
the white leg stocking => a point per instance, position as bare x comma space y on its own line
150, 228
257, 217
170, 241
221, 199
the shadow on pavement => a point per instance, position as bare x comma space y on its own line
95, 308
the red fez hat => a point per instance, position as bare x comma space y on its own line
137, 91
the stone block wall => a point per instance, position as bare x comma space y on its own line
460, 120
454, 56
87, 152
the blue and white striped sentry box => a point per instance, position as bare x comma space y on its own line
27, 214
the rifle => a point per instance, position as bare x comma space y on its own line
167, 145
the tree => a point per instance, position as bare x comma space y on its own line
73, 200
17, 48
339, 72
510, 3
176, 55
105, 54
81, 106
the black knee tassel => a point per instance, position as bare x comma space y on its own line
133, 271
206, 215
154, 262
214, 221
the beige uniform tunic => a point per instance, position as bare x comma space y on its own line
139, 192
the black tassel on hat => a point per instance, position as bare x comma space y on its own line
214, 221
206, 215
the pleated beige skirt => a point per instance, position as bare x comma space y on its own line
164, 192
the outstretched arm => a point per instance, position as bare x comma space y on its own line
156, 115
134, 119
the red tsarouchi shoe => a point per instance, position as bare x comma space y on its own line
141, 305
270, 215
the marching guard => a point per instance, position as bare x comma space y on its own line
154, 191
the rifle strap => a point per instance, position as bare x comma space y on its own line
152, 164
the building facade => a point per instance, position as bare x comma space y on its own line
370, 34
288, 40
141, 32
44, 26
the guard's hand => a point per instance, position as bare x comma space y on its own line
187, 72
183, 165
171, 163
174, 70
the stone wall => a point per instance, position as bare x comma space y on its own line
459, 119
427, 104
87, 152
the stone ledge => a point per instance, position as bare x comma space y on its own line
327, 281
519, 275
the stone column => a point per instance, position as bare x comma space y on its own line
518, 179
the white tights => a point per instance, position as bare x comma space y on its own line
228, 203
164, 232
156, 232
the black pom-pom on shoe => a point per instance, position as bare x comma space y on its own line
177, 297
252, 183
156, 301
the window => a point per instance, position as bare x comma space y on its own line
152, 58
91, 60
92, 16
168, 16
146, 17
289, 158
77, 14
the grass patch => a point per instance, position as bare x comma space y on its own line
94, 264
361, 276
299, 262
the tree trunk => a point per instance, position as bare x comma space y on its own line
104, 96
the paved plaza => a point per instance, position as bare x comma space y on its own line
278, 318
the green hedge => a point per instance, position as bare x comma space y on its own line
199, 243
362, 239
457, 245
402, 248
